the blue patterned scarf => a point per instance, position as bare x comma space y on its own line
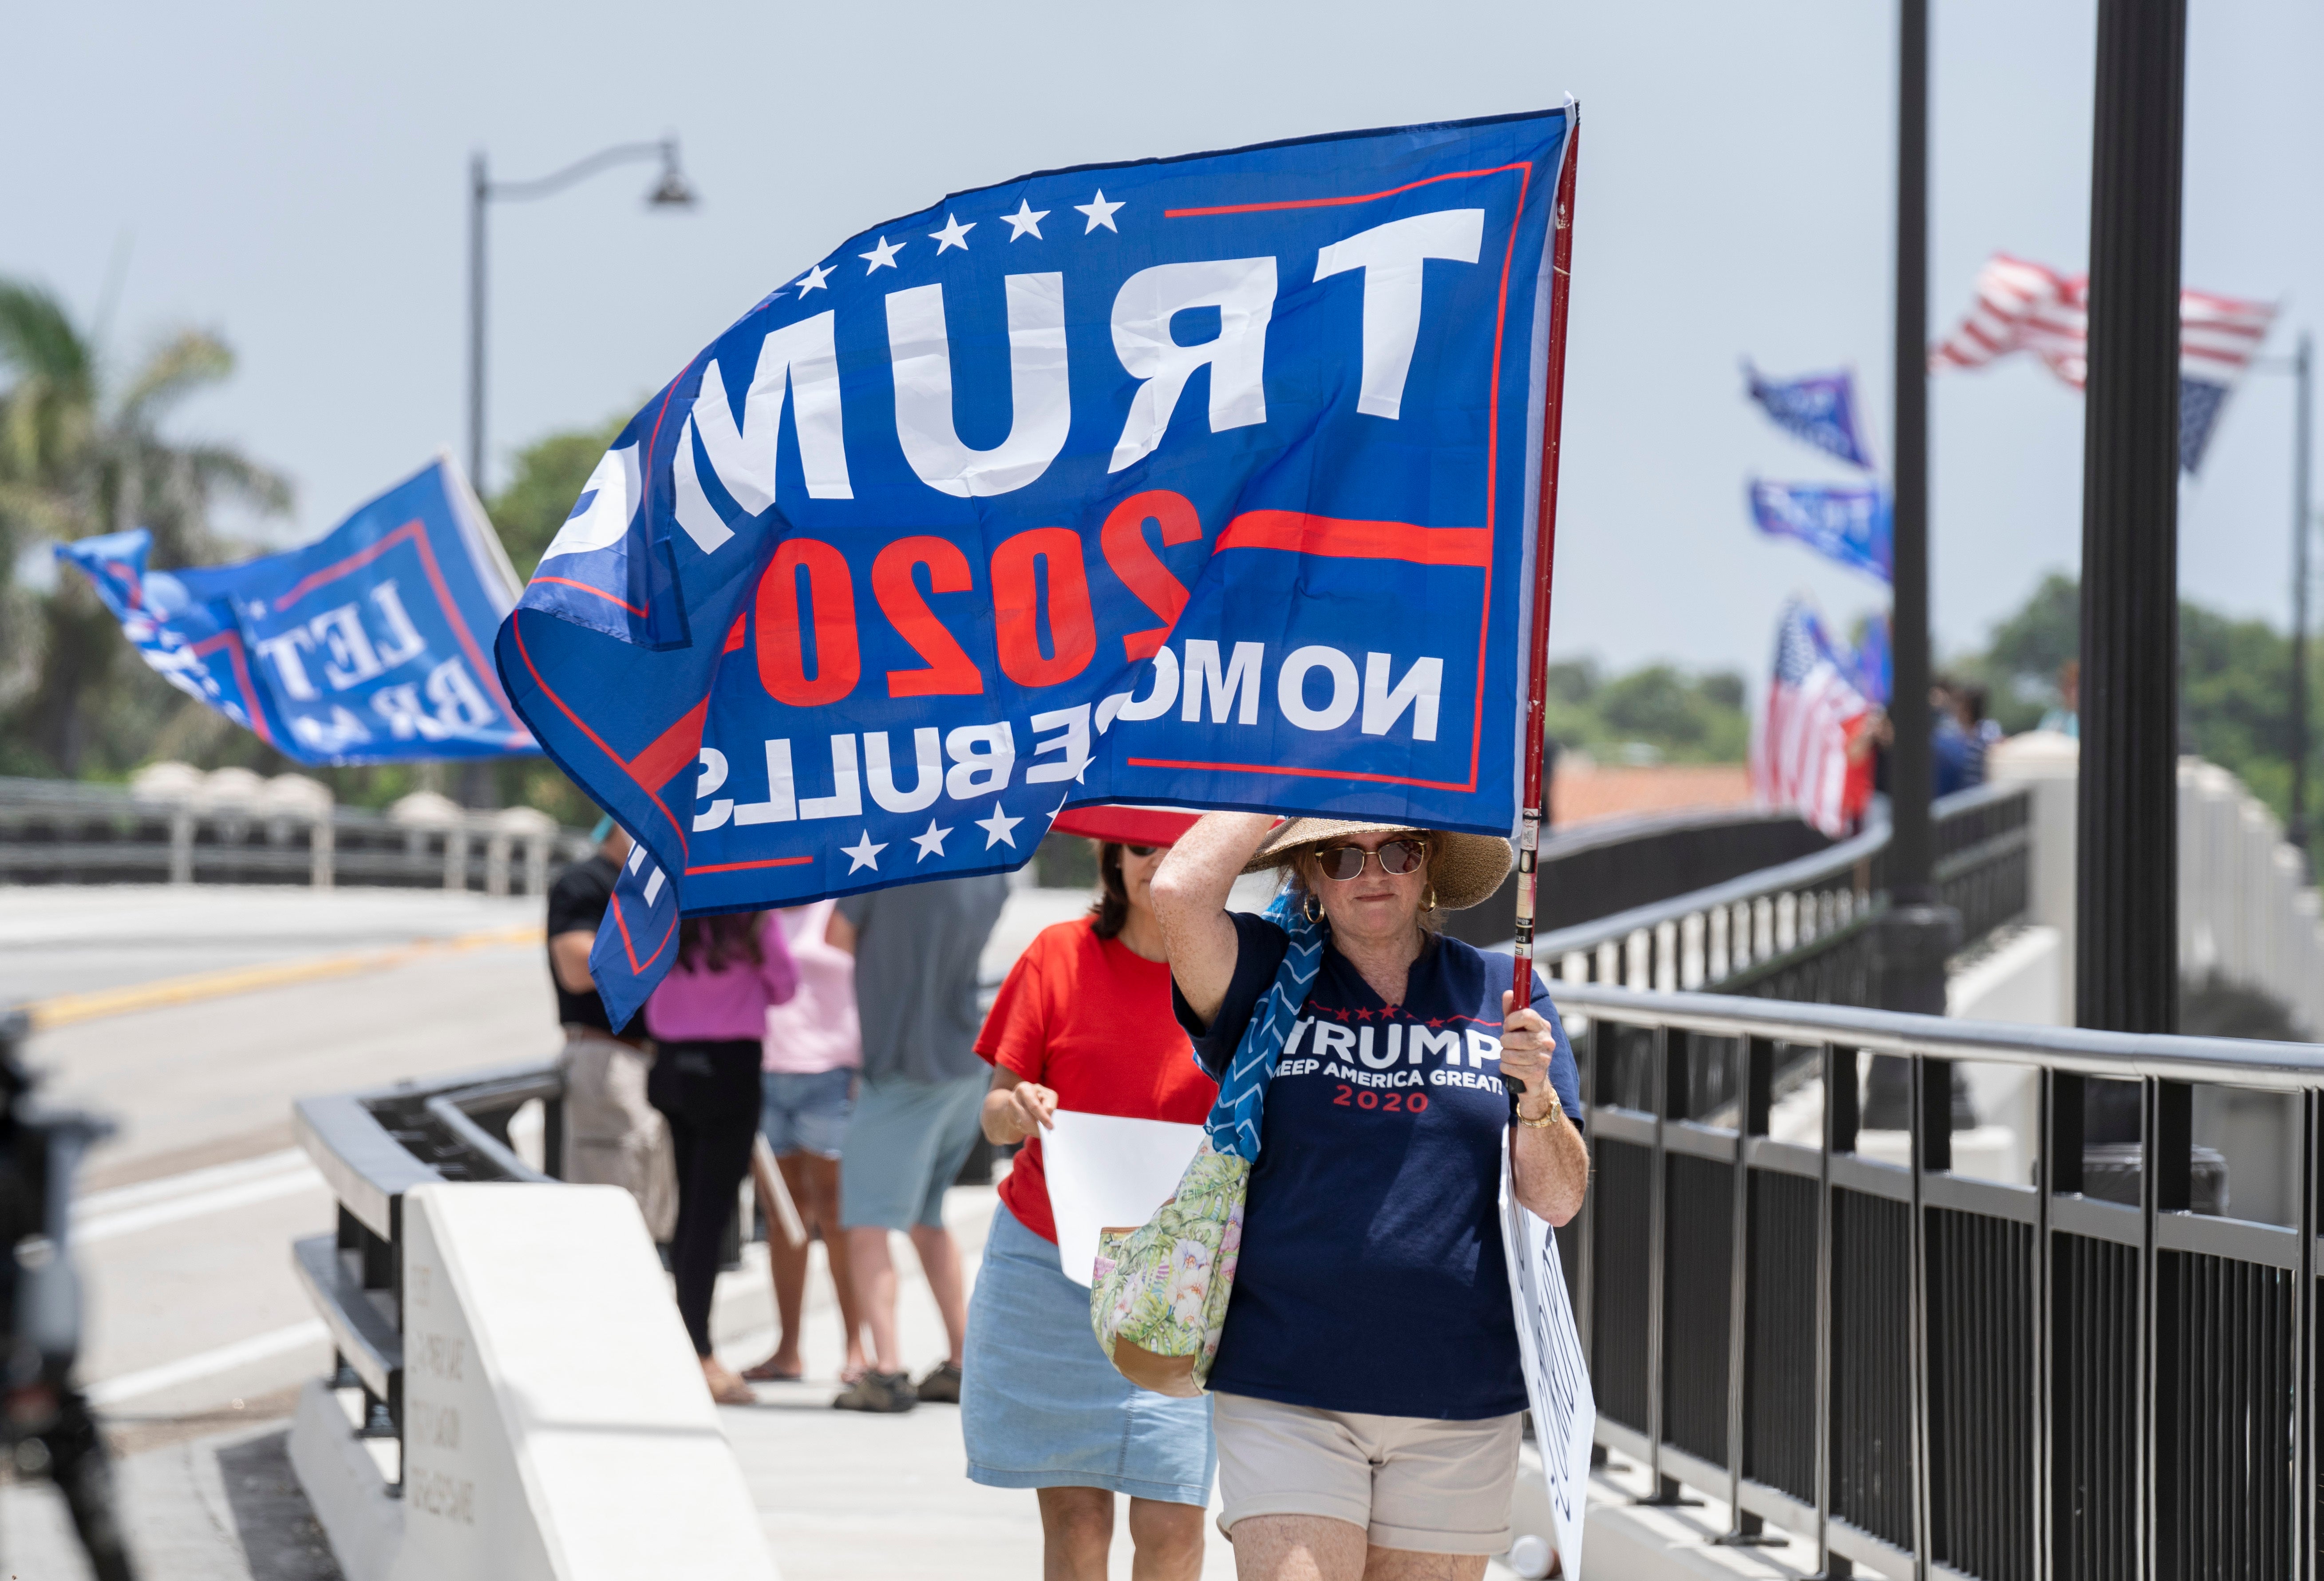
1233, 1124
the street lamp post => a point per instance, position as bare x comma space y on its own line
2303, 523
1919, 933
671, 191
2126, 934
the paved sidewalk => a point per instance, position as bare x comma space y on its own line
221, 1508
841, 1496
866, 1497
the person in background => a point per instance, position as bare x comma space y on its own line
1368, 1390
708, 1018
916, 950
2066, 718
1950, 760
808, 1087
1978, 733
1084, 1023
613, 1137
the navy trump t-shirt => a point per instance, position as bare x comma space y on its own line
1371, 1278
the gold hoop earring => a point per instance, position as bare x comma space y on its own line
1309, 910
1430, 903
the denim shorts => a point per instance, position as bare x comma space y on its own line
806, 1113
907, 1142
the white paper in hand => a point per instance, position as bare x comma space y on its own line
1556, 1373
1106, 1171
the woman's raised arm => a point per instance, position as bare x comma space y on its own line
1190, 902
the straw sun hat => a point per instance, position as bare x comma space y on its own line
1465, 868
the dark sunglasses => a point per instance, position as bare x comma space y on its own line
1345, 863
1141, 850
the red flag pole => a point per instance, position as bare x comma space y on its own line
1543, 554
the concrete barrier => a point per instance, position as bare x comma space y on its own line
556, 1425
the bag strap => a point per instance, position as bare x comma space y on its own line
1234, 1126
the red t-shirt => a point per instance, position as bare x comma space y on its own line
1092, 1020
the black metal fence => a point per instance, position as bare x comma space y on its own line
1925, 1373
1802, 930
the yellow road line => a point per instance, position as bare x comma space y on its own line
65, 1009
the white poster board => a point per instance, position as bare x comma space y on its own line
1556, 1372
1105, 1171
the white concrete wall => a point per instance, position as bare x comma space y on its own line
2244, 909
2049, 764
556, 1424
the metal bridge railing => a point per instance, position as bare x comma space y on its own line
372, 1147
1801, 930
57, 831
1925, 1373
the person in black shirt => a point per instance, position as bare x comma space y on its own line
612, 1135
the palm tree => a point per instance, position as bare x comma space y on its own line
79, 456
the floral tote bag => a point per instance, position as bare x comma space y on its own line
1159, 1291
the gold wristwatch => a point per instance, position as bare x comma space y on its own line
1556, 1113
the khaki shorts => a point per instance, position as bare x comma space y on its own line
1411, 1482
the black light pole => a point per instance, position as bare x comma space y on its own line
1919, 934
2127, 921
2303, 523
671, 191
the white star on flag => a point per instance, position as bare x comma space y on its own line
863, 854
813, 280
932, 843
954, 234
1100, 212
1027, 220
882, 257
996, 829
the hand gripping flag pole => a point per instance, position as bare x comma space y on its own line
1544, 545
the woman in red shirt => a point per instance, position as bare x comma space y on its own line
1084, 1023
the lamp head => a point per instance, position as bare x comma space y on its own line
673, 190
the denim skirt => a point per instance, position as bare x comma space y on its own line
1040, 1407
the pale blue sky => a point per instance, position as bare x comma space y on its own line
294, 177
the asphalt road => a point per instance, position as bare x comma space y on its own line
188, 1215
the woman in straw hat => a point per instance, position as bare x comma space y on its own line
1367, 1388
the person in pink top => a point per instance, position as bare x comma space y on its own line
813, 1049
709, 1024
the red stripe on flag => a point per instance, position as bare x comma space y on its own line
584, 586
671, 750
739, 866
1339, 202
1328, 536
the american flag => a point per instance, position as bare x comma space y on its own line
1799, 754
2029, 307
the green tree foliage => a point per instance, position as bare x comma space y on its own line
549, 476
1656, 713
82, 452
2234, 683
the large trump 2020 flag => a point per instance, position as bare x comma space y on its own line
1210, 481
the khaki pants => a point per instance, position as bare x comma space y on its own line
613, 1136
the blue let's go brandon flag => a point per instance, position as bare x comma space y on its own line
365, 646
1209, 481
1849, 522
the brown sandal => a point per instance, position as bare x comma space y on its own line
766, 1372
